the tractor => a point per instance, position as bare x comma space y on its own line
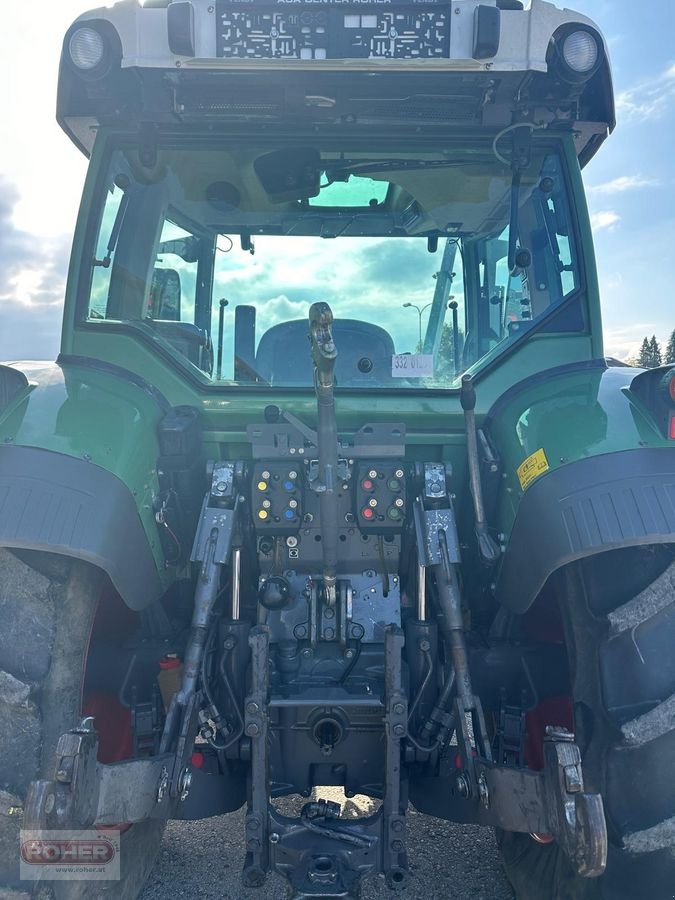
331, 484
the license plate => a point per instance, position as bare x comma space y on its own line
333, 29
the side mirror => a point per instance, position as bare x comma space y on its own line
165, 295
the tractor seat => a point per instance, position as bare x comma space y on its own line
364, 354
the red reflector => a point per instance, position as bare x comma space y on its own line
367, 513
671, 430
542, 838
198, 760
367, 484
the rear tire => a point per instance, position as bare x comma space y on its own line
47, 609
619, 615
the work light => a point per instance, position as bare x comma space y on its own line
580, 51
86, 48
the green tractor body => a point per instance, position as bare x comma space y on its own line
331, 434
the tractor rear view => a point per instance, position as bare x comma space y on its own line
330, 484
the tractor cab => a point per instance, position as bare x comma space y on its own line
415, 166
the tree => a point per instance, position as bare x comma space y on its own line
644, 358
655, 352
670, 349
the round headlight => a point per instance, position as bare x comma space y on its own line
580, 51
86, 49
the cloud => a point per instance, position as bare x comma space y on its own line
622, 184
32, 284
650, 99
604, 220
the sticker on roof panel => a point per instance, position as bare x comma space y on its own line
534, 466
412, 365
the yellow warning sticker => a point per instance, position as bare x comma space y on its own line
532, 468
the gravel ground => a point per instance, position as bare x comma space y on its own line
203, 860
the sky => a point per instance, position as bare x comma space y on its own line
630, 183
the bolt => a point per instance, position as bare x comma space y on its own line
274, 838
399, 730
292, 451
230, 642
397, 825
307, 653
349, 653
328, 613
397, 846
462, 787
163, 785
329, 634
399, 473
49, 805
221, 487
399, 708
252, 708
62, 776
424, 645
253, 730
253, 823
184, 784
292, 475
253, 844
483, 791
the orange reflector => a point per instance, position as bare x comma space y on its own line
671, 430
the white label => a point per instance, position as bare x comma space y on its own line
412, 365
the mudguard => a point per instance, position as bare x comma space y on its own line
586, 470
603, 503
53, 502
78, 472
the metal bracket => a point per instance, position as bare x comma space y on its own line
430, 526
549, 802
256, 724
577, 818
85, 793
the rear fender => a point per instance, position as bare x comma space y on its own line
55, 503
78, 472
586, 469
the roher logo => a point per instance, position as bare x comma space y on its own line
70, 855
59, 852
